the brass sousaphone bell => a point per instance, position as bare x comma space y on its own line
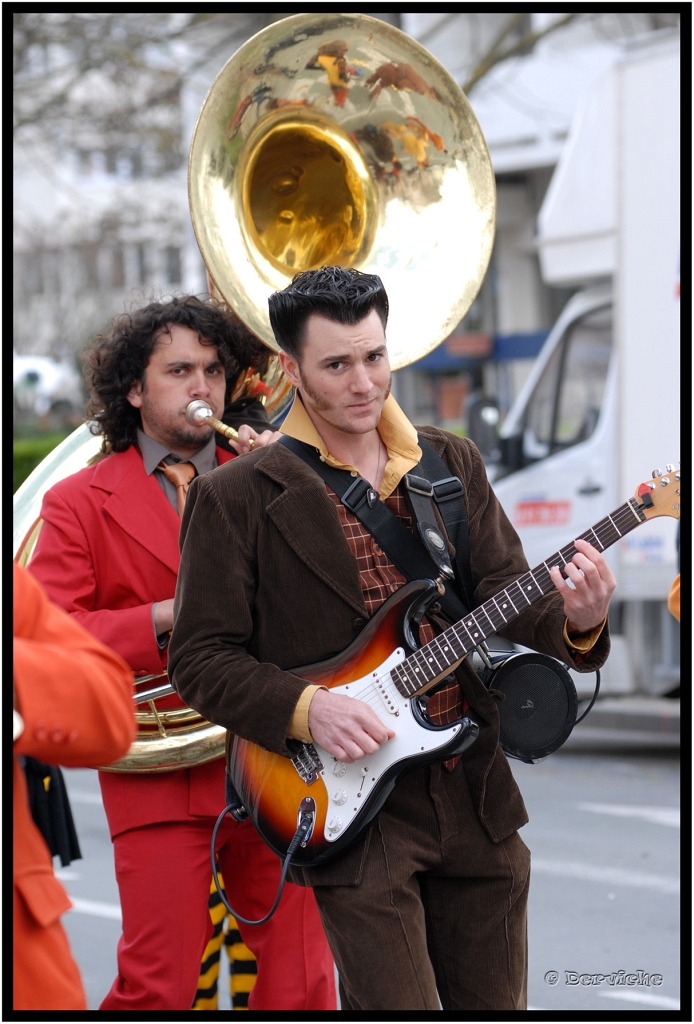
337, 139
326, 139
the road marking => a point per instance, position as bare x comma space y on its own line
611, 876
658, 815
662, 1002
80, 796
96, 909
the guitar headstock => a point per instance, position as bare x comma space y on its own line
661, 495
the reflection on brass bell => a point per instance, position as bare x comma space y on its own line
351, 127
286, 183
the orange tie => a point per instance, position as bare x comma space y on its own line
180, 474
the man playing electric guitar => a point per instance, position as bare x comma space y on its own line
429, 902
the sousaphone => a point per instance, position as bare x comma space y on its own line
326, 139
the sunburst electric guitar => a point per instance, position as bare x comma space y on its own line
386, 668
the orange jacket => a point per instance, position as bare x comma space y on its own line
673, 601
74, 696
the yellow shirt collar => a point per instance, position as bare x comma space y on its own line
397, 434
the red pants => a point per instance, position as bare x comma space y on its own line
163, 874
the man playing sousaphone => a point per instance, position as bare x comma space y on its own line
108, 554
430, 901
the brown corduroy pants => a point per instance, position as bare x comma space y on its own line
439, 912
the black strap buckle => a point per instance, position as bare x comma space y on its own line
355, 494
447, 490
419, 485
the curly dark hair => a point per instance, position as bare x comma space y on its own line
119, 358
346, 296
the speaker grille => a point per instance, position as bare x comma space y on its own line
540, 705
534, 712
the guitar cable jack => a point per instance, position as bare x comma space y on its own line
304, 831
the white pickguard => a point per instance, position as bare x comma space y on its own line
349, 785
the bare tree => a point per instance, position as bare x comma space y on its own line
118, 73
509, 43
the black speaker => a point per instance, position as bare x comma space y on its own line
539, 708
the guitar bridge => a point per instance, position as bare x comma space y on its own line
307, 762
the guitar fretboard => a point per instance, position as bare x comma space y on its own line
446, 650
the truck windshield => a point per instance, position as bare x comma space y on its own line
565, 406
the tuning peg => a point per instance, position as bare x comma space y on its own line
677, 476
669, 468
656, 473
664, 481
651, 486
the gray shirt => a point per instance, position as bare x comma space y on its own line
152, 454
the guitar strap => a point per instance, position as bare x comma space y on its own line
426, 558
449, 494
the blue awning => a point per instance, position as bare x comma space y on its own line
440, 360
522, 345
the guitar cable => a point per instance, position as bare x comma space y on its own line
593, 698
302, 834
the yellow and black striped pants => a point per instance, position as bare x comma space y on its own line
242, 963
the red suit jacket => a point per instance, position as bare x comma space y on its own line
107, 550
75, 697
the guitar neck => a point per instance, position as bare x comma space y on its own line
450, 647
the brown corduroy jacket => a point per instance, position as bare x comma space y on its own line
267, 582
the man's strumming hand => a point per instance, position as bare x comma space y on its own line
347, 728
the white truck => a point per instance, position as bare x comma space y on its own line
600, 409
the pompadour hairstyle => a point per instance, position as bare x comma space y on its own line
346, 296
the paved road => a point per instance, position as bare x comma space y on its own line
604, 897
604, 834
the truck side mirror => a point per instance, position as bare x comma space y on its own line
511, 449
483, 425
